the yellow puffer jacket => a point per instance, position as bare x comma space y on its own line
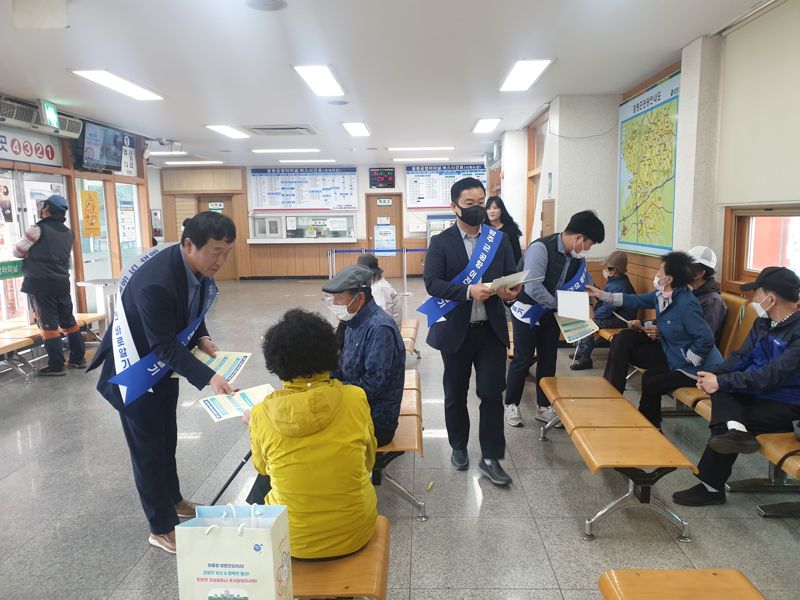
316, 441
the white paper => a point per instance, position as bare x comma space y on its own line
221, 407
574, 330
573, 305
513, 280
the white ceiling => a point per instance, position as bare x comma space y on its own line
418, 72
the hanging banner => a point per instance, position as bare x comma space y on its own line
90, 214
29, 146
128, 155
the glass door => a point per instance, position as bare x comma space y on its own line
130, 233
94, 236
12, 301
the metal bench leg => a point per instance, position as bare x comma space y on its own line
784, 510
778, 481
408, 496
547, 427
16, 368
661, 508
622, 502
630, 374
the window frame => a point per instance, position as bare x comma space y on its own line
737, 237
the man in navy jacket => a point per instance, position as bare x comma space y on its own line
756, 389
475, 333
160, 300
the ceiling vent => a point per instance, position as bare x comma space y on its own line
280, 130
26, 116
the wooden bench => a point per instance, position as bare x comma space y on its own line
363, 574
85, 320
677, 584
13, 323
609, 433
9, 346
407, 438
408, 332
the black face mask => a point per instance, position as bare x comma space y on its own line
474, 215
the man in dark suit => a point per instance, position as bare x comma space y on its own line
474, 329
160, 300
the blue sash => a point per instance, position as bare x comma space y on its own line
482, 256
143, 374
536, 311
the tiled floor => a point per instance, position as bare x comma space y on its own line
72, 525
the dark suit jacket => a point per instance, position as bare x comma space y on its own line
445, 259
156, 303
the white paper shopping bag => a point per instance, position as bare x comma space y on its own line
235, 552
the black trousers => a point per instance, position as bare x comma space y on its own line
759, 416
151, 430
539, 342
51, 313
656, 382
486, 352
632, 347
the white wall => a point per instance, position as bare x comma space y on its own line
154, 188
514, 167
760, 128
548, 181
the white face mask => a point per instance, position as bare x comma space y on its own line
341, 312
760, 310
606, 273
657, 283
575, 253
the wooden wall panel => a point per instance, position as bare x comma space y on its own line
241, 247
185, 208
415, 259
223, 179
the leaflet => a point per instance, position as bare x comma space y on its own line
574, 329
513, 280
573, 305
222, 406
227, 364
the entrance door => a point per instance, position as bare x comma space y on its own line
223, 205
385, 230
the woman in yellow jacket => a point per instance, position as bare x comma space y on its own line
315, 440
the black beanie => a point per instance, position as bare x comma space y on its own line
588, 225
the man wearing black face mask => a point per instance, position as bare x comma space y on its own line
468, 324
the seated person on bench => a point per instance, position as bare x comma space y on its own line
615, 269
314, 441
756, 389
373, 356
685, 342
626, 344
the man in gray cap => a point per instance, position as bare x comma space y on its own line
45, 249
373, 356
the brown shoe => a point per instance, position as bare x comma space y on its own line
186, 509
165, 541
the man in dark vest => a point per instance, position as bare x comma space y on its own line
45, 250
468, 324
559, 258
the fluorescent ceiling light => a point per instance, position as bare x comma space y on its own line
421, 148
284, 150
486, 125
524, 74
357, 129
167, 153
118, 84
427, 159
320, 79
187, 163
310, 161
229, 131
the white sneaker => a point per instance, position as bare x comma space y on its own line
513, 417
545, 414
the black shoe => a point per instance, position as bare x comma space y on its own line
460, 460
77, 364
492, 469
734, 442
698, 496
50, 372
581, 364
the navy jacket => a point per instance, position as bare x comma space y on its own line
374, 359
445, 259
766, 365
156, 302
615, 285
686, 338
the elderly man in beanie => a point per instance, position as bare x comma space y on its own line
615, 269
373, 356
756, 389
45, 249
559, 260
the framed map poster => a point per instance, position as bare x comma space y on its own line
648, 138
